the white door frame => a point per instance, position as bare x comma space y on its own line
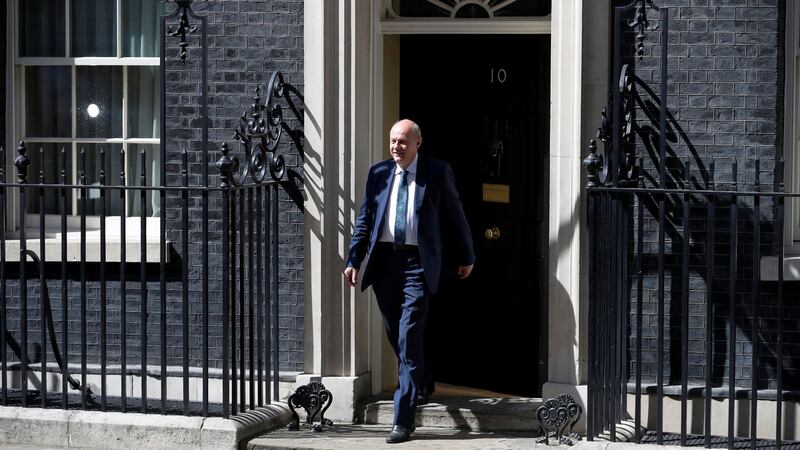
564, 24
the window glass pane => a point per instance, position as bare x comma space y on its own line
94, 28
529, 8
144, 102
99, 102
52, 175
446, 8
93, 168
42, 28
48, 101
141, 27
152, 168
422, 8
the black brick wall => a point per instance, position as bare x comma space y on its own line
725, 104
3, 63
248, 41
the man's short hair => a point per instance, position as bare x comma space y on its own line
414, 127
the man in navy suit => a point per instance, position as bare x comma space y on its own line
410, 203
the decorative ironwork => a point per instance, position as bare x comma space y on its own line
557, 415
601, 168
626, 90
315, 399
22, 162
183, 29
642, 24
457, 8
261, 132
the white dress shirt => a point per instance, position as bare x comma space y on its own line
387, 234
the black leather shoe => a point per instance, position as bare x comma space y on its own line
398, 434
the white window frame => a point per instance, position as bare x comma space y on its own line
15, 132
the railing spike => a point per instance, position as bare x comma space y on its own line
82, 167
711, 176
758, 173
102, 166
122, 166
41, 164
688, 173
63, 165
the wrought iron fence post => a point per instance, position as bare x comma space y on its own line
3, 324
22, 162
226, 167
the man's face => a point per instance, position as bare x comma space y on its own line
403, 144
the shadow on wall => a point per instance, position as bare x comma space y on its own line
701, 176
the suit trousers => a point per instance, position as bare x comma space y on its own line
403, 300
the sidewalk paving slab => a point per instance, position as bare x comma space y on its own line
350, 437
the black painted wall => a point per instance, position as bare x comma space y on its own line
3, 75
248, 41
725, 76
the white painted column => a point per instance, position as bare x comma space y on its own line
565, 189
337, 128
579, 91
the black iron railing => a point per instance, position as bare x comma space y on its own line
185, 299
686, 271
246, 290
719, 239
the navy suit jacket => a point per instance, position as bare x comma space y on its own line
438, 211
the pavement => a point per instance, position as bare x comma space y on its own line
350, 437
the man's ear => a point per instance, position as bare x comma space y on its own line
419, 142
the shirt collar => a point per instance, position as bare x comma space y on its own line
412, 168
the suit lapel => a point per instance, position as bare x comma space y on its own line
383, 201
422, 183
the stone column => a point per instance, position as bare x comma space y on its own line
337, 126
579, 67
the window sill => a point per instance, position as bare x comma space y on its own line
113, 243
791, 268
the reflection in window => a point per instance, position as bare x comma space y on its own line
86, 106
99, 102
47, 101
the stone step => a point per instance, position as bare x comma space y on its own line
471, 413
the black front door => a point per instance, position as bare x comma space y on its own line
483, 105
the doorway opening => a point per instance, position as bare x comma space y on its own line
482, 102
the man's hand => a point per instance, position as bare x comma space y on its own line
351, 276
464, 271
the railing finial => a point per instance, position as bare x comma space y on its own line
22, 162
183, 28
592, 164
642, 24
226, 167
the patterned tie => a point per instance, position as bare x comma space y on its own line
401, 211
